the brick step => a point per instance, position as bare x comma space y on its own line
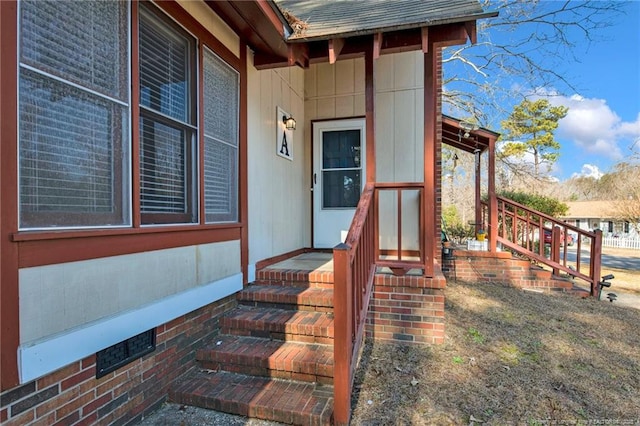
579, 291
295, 278
279, 324
285, 297
553, 283
284, 401
270, 358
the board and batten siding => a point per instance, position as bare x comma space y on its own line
279, 196
337, 91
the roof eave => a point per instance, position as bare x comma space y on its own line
301, 38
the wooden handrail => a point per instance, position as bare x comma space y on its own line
354, 269
519, 227
354, 266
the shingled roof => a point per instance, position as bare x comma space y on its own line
321, 20
590, 210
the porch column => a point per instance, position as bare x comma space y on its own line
369, 101
478, 167
492, 232
429, 200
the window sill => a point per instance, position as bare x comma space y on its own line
47, 248
110, 232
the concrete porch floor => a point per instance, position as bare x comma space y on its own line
322, 262
311, 262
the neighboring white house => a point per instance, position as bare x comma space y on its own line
590, 215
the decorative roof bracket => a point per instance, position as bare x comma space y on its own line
335, 47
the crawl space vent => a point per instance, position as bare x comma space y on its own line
114, 357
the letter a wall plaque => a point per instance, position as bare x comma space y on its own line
284, 137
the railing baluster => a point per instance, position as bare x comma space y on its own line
558, 230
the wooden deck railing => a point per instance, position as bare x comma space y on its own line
522, 229
400, 257
354, 267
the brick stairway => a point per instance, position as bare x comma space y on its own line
274, 357
478, 266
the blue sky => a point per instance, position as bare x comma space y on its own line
603, 121
604, 117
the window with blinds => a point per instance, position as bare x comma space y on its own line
73, 114
74, 119
221, 91
167, 121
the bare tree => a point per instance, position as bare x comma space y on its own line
485, 80
458, 177
622, 186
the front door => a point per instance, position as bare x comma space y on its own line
339, 174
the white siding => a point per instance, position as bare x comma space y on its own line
279, 196
337, 91
80, 293
212, 22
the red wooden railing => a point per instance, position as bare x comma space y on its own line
522, 229
400, 258
354, 267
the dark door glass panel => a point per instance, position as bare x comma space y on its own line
340, 188
341, 149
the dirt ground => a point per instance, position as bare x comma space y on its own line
180, 415
510, 357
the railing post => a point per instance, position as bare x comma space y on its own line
555, 247
596, 262
343, 340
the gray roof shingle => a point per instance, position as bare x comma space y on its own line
324, 19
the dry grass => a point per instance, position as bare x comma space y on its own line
510, 357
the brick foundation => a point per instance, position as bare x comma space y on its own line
407, 309
72, 395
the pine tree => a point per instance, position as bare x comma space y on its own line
529, 130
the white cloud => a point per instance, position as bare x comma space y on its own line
589, 170
594, 127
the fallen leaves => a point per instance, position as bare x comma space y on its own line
534, 349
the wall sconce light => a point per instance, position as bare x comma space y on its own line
289, 122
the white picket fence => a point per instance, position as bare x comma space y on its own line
628, 243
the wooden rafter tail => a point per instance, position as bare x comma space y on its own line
298, 54
424, 33
335, 47
377, 45
470, 26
